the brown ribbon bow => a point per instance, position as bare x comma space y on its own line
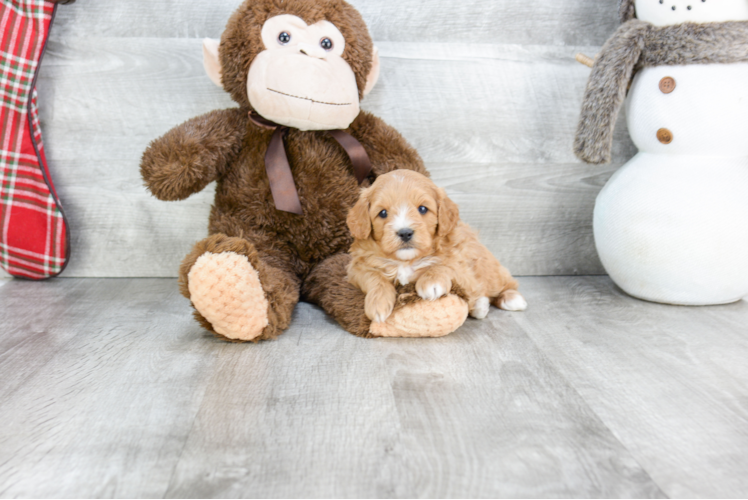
282, 185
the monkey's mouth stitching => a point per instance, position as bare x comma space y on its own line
308, 99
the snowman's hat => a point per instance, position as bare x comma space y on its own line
626, 10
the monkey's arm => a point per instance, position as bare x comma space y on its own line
387, 149
606, 90
188, 157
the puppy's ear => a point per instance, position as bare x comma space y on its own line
449, 214
358, 218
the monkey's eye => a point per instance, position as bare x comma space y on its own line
383, 214
423, 210
326, 44
284, 38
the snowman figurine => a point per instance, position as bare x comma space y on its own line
671, 225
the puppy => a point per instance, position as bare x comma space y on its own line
406, 230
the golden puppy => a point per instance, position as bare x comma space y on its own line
406, 230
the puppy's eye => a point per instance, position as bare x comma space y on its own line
383, 214
284, 38
423, 210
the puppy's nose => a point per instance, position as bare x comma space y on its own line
405, 234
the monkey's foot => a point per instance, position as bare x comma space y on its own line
226, 290
424, 318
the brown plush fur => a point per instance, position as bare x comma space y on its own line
288, 251
442, 250
637, 45
191, 156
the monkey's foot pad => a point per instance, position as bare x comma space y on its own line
414, 317
226, 290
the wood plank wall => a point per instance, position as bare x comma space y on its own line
487, 90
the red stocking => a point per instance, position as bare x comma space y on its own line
34, 241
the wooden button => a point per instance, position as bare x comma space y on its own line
667, 85
664, 136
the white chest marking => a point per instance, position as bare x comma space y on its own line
404, 272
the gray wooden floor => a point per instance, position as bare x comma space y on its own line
110, 390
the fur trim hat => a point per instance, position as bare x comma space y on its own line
626, 10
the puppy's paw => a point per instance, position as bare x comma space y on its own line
379, 304
511, 300
431, 288
480, 308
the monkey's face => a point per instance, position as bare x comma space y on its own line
301, 79
668, 12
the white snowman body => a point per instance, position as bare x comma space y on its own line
672, 224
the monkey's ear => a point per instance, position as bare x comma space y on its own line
371, 80
358, 218
449, 214
211, 63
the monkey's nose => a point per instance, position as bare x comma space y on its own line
312, 50
405, 234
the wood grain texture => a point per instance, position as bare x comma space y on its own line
478, 414
101, 381
536, 221
568, 22
500, 121
111, 391
670, 382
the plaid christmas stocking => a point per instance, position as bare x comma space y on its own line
34, 241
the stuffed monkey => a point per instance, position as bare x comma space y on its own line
672, 224
289, 163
